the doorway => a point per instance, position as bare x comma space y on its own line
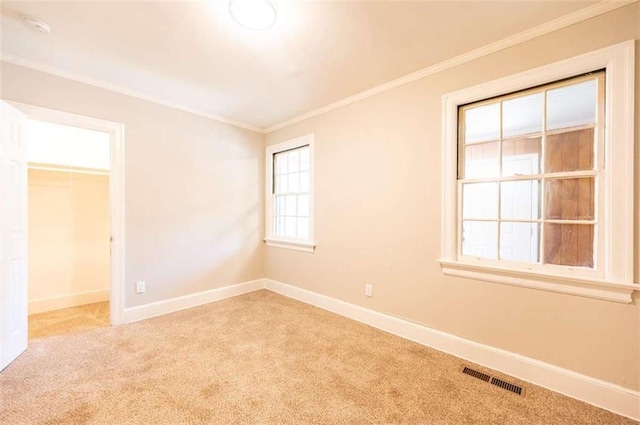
68, 228
14, 245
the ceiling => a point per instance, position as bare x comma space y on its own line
193, 54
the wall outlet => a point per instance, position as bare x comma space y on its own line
141, 286
368, 290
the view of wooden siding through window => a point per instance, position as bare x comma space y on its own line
528, 173
569, 199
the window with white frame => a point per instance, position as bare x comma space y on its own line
538, 178
289, 220
528, 171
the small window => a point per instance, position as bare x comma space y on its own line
289, 220
538, 178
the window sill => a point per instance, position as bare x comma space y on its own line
294, 245
574, 285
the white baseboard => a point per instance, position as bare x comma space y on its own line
66, 301
617, 399
159, 308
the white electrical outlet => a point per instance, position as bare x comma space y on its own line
141, 286
368, 290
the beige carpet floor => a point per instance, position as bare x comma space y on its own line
260, 359
69, 320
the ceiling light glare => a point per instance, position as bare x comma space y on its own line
254, 14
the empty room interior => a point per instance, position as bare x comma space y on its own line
323, 212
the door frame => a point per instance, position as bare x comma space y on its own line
116, 192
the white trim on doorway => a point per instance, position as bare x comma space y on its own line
116, 191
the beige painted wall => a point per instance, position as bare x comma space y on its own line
378, 213
193, 211
68, 234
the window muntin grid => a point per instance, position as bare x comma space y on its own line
507, 177
291, 195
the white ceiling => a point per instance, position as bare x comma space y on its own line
192, 54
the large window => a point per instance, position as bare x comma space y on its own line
538, 169
529, 166
290, 194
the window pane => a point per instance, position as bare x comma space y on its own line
520, 199
519, 241
303, 205
278, 226
522, 115
304, 182
279, 205
290, 208
569, 151
291, 199
572, 106
303, 228
294, 161
568, 244
480, 239
482, 123
282, 184
304, 158
294, 185
480, 200
281, 162
290, 227
570, 199
521, 156
482, 160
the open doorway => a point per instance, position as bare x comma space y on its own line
14, 243
68, 228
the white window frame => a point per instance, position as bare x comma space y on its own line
614, 280
306, 245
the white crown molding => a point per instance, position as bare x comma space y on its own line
513, 40
616, 399
52, 70
543, 29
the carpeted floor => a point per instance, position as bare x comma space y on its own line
69, 320
260, 359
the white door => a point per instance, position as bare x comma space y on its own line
13, 234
